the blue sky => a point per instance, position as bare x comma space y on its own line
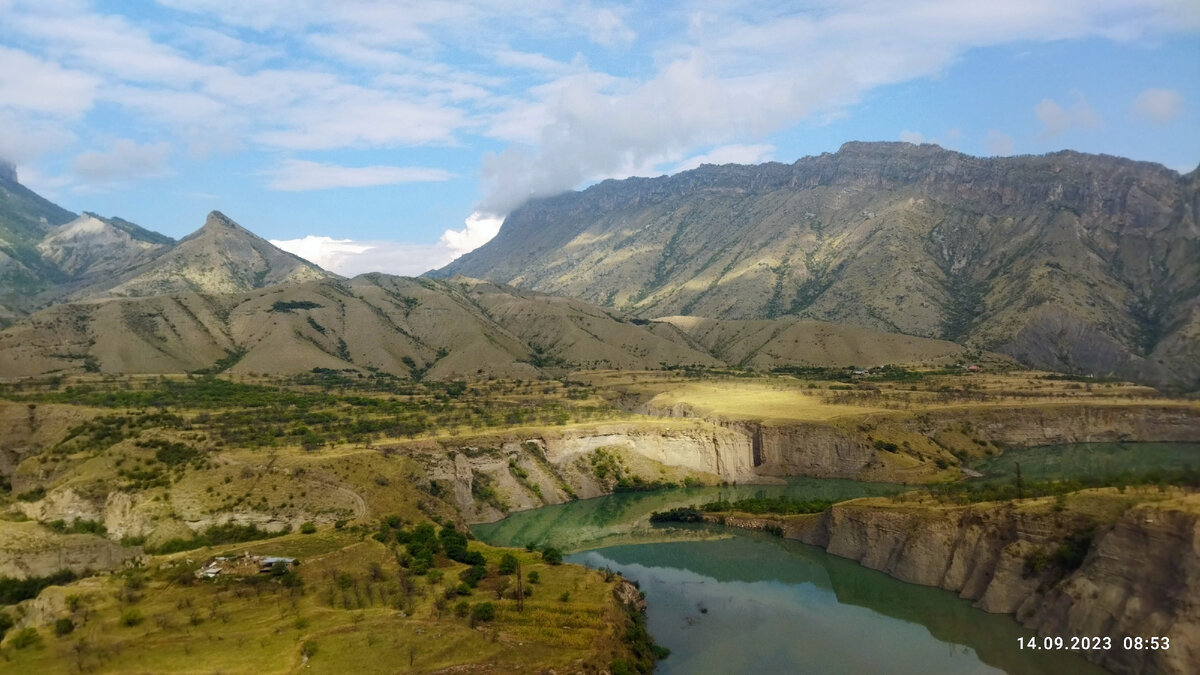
392, 136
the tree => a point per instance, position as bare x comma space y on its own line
552, 556
484, 611
508, 564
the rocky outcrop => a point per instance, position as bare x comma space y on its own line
1140, 575
487, 478
703, 448
1142, 578
848, 450
28, 550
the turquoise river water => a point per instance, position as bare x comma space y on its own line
731, 601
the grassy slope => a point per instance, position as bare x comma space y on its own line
231, 626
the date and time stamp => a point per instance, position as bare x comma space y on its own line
1128, 643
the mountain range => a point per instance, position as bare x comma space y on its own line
1081, 263
50, 255
881, 252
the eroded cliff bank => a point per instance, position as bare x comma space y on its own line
917, 447
1100, 563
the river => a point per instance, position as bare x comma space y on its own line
733, 601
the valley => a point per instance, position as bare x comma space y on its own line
975, 377
165, 472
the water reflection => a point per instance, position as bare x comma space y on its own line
731, 601
625, 518
755, 603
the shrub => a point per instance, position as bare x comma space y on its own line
13, 591
473, 575
484, 611
26, 637
131, 617
552, 556
63, 626
308, 528
462, 608
508, 564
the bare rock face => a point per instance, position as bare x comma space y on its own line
1140, 577
28, 550
1083, 263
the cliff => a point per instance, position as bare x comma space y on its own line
1095, 565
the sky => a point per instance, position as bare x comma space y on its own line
394, 136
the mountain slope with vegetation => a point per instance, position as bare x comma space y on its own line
1073, 262
25, 219
220, 257
420, 328
49, 255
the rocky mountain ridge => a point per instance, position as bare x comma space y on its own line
49, 255
1082, 263
220, 257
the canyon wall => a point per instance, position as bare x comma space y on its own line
1140, 576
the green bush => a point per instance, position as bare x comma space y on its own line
552, 556
484, 611
308, 528
63, 626
26, 637
473, 575
13, 591
131, 617
508, 564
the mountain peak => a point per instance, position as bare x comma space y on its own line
220, 257
216, 219
8, 172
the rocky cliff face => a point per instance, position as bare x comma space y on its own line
26, 550
1066, 261
847, 449
1140, 575
488, 479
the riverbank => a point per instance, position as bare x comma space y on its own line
1098, 563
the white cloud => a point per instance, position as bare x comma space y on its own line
606, 26
298, 175
311, 75
26, 137
914, 137
742, 72
728, 154
479, 230
998, 144
124, 160
33, 84
349, 257
1160, 106
1058, 119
